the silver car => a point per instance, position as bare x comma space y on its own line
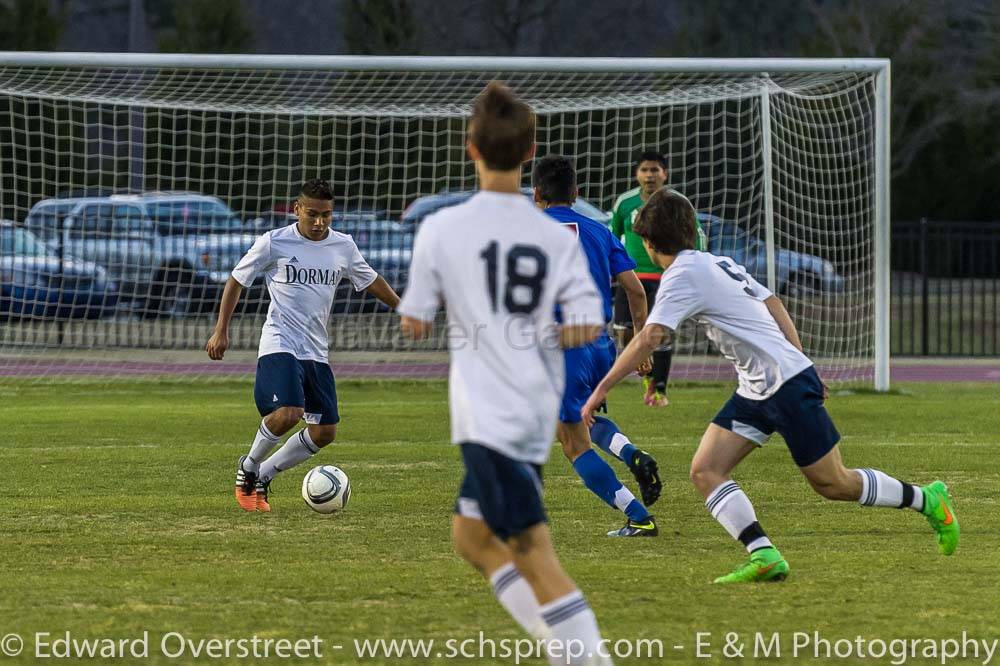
171, 252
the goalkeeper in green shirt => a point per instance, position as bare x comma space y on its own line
651, 174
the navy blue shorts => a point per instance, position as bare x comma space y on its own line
585, 368
796, 412
285, 381
504, 493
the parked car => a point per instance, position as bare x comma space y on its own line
270, 221
35, 282
171, 251
276, 219
424, 206
796, 273
387, 246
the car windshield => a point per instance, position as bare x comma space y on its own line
378, 234
21, 243
48, 218
725, 237
587, 209
192, 217
423, 207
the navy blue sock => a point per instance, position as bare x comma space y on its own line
603, 434
600, 479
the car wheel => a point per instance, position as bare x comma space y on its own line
802, 286
170, 294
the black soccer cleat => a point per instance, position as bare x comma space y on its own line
246, 487
647, 528
646, 473
263, 488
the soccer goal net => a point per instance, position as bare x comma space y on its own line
133, 184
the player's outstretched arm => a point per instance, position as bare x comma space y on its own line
636, 295
783, 319
381, 290
640, 348
787, 326
415, 329
639, 309
578, 335
219, 342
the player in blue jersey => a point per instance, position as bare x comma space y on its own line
554, 181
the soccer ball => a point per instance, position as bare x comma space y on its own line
326, 489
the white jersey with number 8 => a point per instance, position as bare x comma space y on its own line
717, 292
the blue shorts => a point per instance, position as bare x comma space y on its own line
585, 368
504, 493
796, 412
285, 381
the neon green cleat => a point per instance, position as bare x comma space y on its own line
941, 515
764, 565
659, 398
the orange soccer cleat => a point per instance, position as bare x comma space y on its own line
262, 489
246, 488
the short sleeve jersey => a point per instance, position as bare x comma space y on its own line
499, 266
623, 215
606, 256
717, 292
302, 277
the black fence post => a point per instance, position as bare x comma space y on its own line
60, 322
924, 288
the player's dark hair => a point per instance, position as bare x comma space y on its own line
502, 127
317, 188
667, 221
650, 155
555, 178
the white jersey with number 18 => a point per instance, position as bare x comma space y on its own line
717, 292
500, 266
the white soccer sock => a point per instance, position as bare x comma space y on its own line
623, 497
517, 597
880, 489
618, 442
729, 505
263, 443
298, 448
575, 637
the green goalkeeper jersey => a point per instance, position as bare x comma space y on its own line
622, 216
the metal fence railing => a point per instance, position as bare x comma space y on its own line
945, 288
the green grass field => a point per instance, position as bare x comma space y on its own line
117, 517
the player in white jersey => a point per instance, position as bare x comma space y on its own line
500, 266
779, 391
302, 265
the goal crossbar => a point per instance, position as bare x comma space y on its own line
440, 63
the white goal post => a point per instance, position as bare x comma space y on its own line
130, 184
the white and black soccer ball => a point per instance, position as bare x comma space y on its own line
326, 489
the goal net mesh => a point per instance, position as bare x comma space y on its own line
128, 194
